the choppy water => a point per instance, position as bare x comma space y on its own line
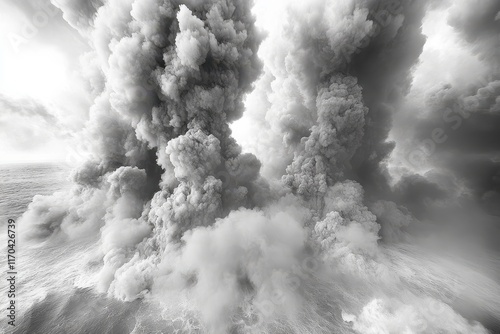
20, 182
53, 288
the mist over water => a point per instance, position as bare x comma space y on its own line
170, 226
20, 182
57, 285
55, 292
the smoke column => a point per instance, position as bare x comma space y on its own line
305, 234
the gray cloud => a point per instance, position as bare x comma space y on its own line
181, 213
27, 124
458, 133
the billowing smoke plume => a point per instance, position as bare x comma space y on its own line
185, 218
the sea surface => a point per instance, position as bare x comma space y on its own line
54, 283
20, 182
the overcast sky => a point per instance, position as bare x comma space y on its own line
42, 98
40, 77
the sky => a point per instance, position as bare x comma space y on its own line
40, 62
39, 78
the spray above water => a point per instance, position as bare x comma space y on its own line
186, 219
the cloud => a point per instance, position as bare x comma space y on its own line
183, 217
372, 46
380, 316
28, 108
79, 14
29, 127
162, 158
252, 249
454, 129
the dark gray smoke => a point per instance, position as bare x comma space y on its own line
185, 218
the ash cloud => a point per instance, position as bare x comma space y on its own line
166, 82
184, 218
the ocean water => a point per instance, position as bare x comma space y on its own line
54, 287
20, 182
